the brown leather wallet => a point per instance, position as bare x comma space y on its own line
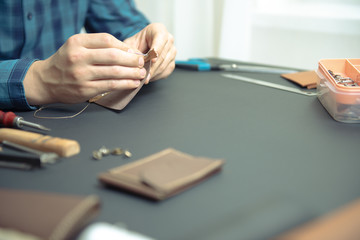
162, 174
38, 215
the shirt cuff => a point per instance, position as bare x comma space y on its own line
16, 87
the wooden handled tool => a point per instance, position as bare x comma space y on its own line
45, 143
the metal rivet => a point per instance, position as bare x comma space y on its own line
97, 155
117, 151
104, 151
127, 153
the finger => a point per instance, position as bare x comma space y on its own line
159, 42
97, 40
166, 67
167, 56
109, 85
91, 89
148, 77
161, 57
113, 56
115, 72
169, 44
148, 73
158, 36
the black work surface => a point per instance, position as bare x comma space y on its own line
287, 160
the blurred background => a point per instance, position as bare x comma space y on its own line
291, 33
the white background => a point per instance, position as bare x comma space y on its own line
294, 33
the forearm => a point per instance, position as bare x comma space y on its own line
36, 91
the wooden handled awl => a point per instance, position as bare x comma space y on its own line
45, 143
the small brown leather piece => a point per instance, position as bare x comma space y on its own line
150, 55
306, 79
118, 100
46, 215
341, 224
163, 174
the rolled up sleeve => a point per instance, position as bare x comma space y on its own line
12, 93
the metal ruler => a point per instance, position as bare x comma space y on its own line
269, 84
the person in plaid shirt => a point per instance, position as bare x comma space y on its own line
45, 59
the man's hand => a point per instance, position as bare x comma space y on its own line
85, 66
156, 36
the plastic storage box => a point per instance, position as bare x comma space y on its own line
338, 88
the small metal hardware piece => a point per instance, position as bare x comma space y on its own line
104, 151
343, 81
127, 154
117, 151
97, 155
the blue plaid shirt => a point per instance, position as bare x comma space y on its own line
36, 29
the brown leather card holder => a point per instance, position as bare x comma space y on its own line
40, 215
163, 174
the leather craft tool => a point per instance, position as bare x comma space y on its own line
35, 159
199, 64
9, 119
27, 162
45, 157
45, 143
269, 84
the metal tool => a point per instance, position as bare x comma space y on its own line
61, 146
269, 84
199, 64
36, 159
257, 69
9, 119
19, 161
45, 157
